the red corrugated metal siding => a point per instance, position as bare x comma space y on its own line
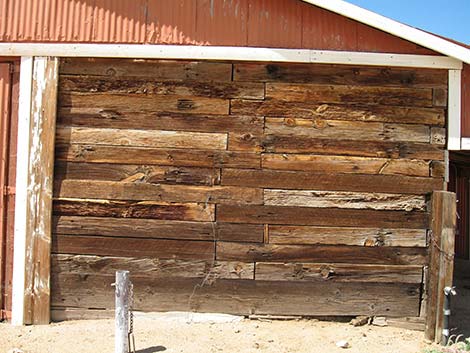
267, 23
466, 101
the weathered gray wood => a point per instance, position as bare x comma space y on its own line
320, 254
141, 138
286, 215
259, 297
110, 190
280, 234
152, 267
279, 179
122, 299
331, 272
356, 200
149, 228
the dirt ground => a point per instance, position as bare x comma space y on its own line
184, 334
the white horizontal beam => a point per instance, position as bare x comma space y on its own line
395, 28
227, 53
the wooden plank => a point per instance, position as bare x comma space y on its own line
151, 86
304, 144
438, 169
111, 190
129, 209
345, 164
166, 70
347, 130
439, 98
134, 172
89, 222
347, 94
339, 75
39, 191
141, 138
438, 136
228, 251
444, 217
242, 297
281, 234
277, 179
332, 272
151, 267
167, 103
155, 156
315, 110
133, 247
122, 119
321, 216
355, 200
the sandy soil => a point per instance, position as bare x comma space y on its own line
160, 334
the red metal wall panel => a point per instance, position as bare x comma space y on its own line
466, 101
266, 23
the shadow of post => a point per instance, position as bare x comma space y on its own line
152, 349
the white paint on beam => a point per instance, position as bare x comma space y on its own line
19, 257
174, 52
454, 110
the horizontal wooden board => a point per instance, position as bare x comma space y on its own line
151, 267
133, 172
133, 247
348, 94
347, 130
339, 75
331, 272
281, 234
277, 143
315, 110
151, 86
343, 164
92, 221
438, 169
140, 138
335, 217
164, 103
110, 190
242, 297
155, 156
228, 251
122, 119
278, 179
356, 200
154, 69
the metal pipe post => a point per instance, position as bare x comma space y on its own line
122, 312
448, 292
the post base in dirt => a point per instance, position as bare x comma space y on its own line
122, 312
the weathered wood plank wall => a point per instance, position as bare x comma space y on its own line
246, 188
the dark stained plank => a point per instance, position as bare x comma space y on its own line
111, 190
137, 119
150, 86
142, 173
345, 164
151, 267
332, 272
129, 209
315, 110
275, 143
91, 222
339, 75
166, 103
321, 216
297, 235
228, 251
259, 297
133, 247
155, 156
348, 94
323, 181
154, 69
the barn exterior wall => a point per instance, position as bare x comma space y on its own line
246, 188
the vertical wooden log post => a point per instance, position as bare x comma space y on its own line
35, 178
441, 261
121, 342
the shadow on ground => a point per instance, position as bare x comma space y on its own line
151, 349
460, 320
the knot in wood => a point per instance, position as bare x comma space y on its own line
290, 122
111, 72
322, 108
319, 124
